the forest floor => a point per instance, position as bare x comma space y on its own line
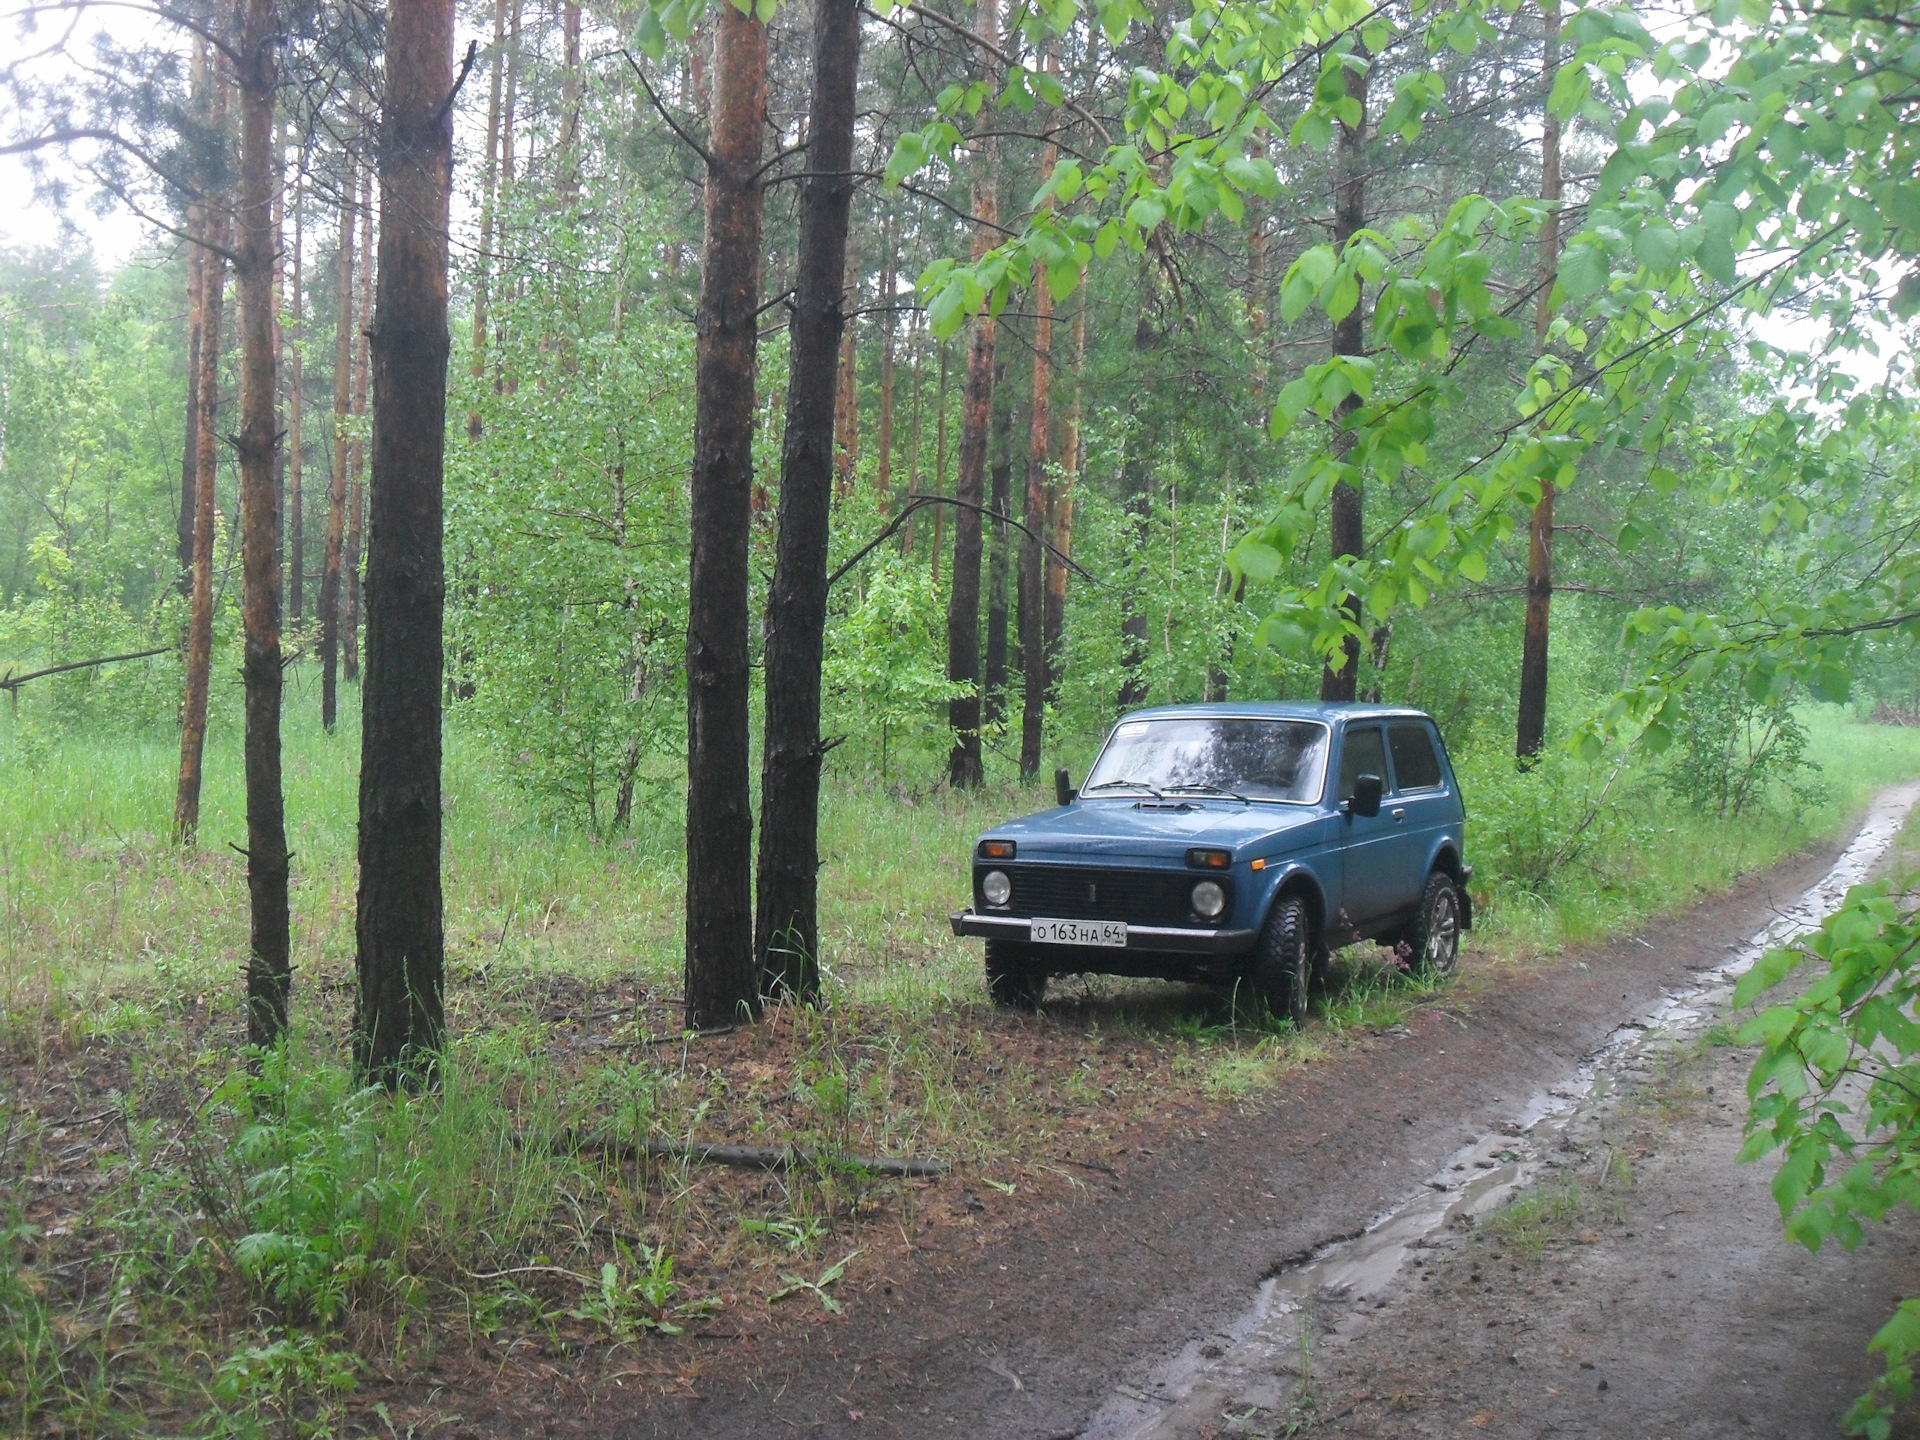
1128, 1166
1643, 1288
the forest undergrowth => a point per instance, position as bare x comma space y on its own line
192, 1245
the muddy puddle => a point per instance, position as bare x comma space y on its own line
1251, 1362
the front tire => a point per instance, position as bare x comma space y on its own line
1282, 964
1015, 978
1434, 936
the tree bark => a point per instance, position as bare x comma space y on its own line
1349, 338
1033, 620
917, 351
966, 768
200, 87
296, 417
1137, 503
269, 966
883, 439
199, 667
566, 179
1531, 721
350, 580
940, 460
1000, 502
337, 491
846, 425
786, 924
720, 972
399, 1016
1060, 505
489, 193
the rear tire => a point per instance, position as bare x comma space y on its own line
1434, 936
1015, 978
1282, 965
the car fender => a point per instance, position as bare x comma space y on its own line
1295, 872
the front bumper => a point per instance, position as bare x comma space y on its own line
1156, 939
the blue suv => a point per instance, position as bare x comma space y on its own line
1231, 842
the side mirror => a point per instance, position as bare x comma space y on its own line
1063, 791
1367, 790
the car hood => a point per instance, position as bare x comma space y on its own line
1127, 827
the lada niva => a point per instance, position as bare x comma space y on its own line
1231, 843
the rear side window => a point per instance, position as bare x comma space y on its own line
1415, 765
1363, 754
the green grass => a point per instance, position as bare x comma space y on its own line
470, 1215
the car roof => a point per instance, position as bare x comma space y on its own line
1279, 710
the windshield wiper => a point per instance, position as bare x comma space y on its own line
1208, 790
1116, 784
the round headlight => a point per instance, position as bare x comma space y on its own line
998, 889
1209, 899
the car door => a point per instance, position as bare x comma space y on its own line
1368, 890
1419, 806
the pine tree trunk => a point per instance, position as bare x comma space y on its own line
965, 766
566, 178
296, 416
1061, 507
1349, 338
489, 198
940, 460
399, 1016
199, 667
1137, 503
350, 580
269, 968
199, 86
915, 348
787, 925
1033, 638
1531, 722
846, 424
1000, 502
883, 439
720, 972
279, 182
337, 491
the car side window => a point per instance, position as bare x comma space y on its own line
1415, 765
1362, 754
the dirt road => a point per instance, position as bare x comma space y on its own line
1072, 1318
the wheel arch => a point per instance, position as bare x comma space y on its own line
1298, 880
1446, 858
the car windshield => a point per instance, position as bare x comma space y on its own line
1244, 759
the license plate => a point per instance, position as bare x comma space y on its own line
1080, 932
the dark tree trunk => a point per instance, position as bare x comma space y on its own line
1000, 502
199, 667
720, 973
1349, 338
787, 924
269, 968
966, 768
1033, 612
337, 490
399, 1017
1531, 722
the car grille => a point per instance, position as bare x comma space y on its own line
1087, 892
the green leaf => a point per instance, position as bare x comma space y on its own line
1657, 246
1583, 270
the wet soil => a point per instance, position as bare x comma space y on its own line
1025, 1330
1653, 1294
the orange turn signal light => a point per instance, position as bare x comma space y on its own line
1210, 859
996, 849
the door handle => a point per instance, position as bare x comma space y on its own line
1399, 814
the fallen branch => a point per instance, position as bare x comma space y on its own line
755, 1157
11, 682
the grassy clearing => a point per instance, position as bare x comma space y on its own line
185, 1246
